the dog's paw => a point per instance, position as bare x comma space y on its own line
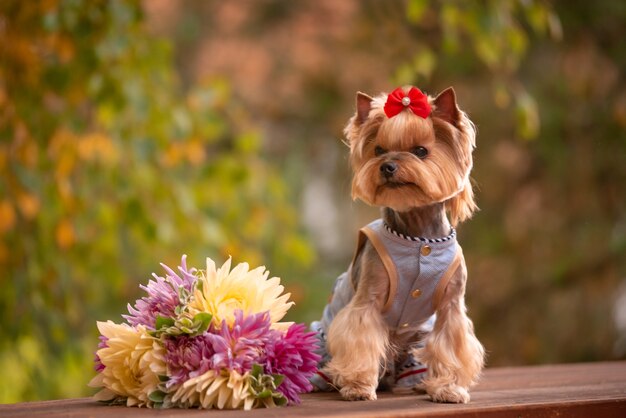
358, 393
449, 394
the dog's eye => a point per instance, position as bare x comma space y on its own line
420, 152
378, 151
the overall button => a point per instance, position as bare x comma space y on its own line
416, 293
405, 325
426, 249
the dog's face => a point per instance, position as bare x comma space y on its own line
408, 161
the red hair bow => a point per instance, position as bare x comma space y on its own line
414, 100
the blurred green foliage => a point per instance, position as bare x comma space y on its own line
110, 164
491, 36
106, 168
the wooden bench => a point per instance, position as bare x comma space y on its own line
572, 390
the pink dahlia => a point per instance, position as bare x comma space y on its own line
241, 346
163, 295
293, 356
187, 357
225, 349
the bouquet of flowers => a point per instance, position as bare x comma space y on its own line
207, 339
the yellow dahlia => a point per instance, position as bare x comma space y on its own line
222, 292
132, 361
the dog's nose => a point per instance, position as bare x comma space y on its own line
388, 168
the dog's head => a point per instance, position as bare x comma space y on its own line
409, 150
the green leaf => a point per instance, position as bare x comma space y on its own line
204, 320
163, 322
265, 394
157, 396
257, 370
280, 400
278, 379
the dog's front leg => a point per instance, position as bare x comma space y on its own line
358, 337
454, 355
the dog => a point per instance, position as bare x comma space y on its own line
397, 316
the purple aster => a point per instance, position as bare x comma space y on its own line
162, 298
239, 347
187, 357
102, 344
293, 356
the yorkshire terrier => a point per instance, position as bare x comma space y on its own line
397, 316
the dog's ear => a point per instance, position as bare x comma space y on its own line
363, 107
446, 108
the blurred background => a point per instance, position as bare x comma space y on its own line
134, 132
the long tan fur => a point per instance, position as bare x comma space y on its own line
454, 356
358, 339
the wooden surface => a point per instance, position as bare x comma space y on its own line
575, 390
